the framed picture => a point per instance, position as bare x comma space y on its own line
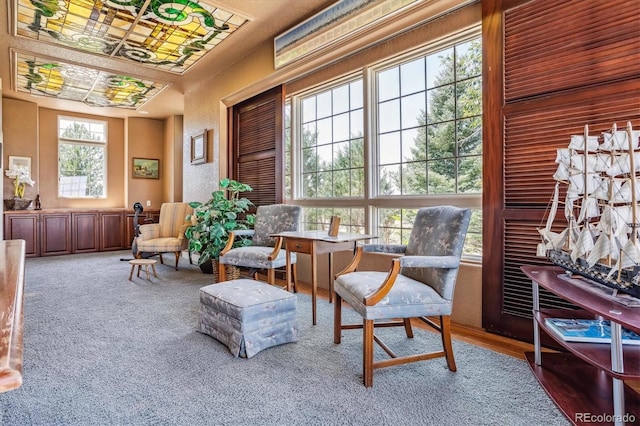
199, 148
23, 163
146, 168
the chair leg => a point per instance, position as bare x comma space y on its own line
271, 276
445, 325
407, 328
294, 271
160, 256
337, 319
367, 353
177, 253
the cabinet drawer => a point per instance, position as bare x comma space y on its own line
298, 245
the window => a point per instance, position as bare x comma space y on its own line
82, 159
424, 146
331, 139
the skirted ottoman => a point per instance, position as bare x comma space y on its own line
248, 316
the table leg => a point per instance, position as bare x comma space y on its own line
146, 270
330, 277
139, 269
288, 257
314, 281
131, 273
153, 266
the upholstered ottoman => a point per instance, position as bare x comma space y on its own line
248, 316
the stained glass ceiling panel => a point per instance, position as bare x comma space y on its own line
170, 35
76, 83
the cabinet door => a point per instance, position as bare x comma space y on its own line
111, 231
56, 234
23, 227
86, 235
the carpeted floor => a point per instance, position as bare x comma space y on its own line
102, 350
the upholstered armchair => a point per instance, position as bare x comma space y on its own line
265, 251
166, 236
420, 284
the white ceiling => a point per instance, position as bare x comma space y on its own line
268, 18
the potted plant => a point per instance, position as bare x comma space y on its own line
212, 221
21, 179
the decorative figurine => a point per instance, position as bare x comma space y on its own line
38, 206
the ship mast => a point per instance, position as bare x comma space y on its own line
634, 207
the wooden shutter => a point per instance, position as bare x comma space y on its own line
566, 64
257, 146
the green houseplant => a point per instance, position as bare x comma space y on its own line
212, 221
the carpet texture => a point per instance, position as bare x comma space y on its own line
103, 350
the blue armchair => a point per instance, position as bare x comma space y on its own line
265, 251
419, 285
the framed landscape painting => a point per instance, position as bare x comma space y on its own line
146, 168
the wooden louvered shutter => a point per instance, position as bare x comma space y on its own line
566, 64
257, 146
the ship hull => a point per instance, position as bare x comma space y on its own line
598, 272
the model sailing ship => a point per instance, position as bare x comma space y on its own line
601, 242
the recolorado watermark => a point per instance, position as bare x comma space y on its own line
604, 418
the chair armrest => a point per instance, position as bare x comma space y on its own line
353, 265
149, 231
276, 248
385, 248
232, 238
449, 262
181, 231
386, 285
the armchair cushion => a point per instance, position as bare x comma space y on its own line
255, 257
407, 298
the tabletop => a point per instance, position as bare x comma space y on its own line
323, 236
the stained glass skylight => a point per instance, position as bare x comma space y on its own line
76, 83
170, 35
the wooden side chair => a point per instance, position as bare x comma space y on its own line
419, 285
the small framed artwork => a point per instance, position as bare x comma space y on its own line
199, 148
20, 163
146, 168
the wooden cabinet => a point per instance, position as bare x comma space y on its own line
112, 235
85, 232
57, 232
24, 227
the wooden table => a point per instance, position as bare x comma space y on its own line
314, 243
140, 263
588, 379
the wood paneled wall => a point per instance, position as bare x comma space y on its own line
549, 68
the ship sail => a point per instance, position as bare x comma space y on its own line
600, 240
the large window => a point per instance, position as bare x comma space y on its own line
82, 158
423, 145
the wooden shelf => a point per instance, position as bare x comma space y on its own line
598, 354
578, 387
582, 381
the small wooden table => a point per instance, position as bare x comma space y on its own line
140, 263
315, 243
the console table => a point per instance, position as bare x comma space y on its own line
587, 381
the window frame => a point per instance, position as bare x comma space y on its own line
84, 142
372, 201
